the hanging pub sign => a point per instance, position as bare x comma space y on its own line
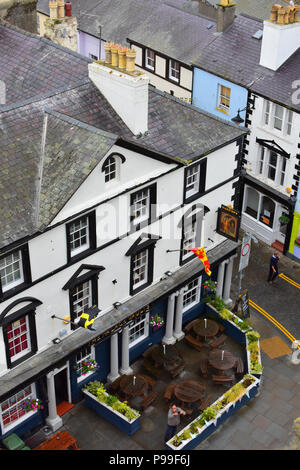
228, 223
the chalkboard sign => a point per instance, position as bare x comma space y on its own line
241, 306
244, 299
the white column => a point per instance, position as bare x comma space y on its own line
114, 360
228, 277
54, 421
169, 338
178, 333
125, 369
220, 279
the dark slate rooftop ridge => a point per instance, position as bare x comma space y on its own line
199, 110
42, 96
77, 123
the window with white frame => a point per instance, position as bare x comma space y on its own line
224, 98
192, 180
140, 268
189, 239
79, 235
18, 338
110, 170
260, 207
192, 294
85, 354
138, 329
11, 270
81, 299
272, 166
149, 59
140, 206
174, 70
12, 410
278, 117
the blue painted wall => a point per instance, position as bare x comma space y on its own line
206, 91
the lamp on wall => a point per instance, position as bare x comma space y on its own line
237, 119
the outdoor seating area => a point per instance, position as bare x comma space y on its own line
191, 377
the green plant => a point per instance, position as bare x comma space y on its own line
176, 441
284, 219
235, 392
218, 303
111, 399
208, 414
92, 387
252, 336
193, 428
185, 435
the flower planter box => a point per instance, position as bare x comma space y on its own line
114, 417
231, 329
256, 374
213, 425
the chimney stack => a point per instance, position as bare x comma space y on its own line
281, 36
125, 88
61, 27
225, 15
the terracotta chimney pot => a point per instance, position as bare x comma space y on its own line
53, 9
61, 8
122, 57
107, 48
292, 12
297, 11
273, 15
114, 55
130, 60
281, 16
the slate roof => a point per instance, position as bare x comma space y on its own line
74, 148
235, 54
31, 65
154, 23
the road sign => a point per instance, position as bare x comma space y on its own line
245, 252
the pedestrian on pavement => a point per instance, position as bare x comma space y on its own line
273, 271
173, 421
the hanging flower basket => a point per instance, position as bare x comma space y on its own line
87, 366
33, 405
209, 288
156, 322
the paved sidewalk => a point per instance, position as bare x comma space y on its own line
266, 421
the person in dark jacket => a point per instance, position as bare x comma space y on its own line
273, 271
173, 421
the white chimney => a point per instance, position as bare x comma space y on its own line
126, 93
279, 40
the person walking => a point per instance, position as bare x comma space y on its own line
173, 421
273, 271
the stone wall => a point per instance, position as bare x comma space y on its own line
62, 31
21, 13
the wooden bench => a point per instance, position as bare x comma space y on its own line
194, 342
190, 325
204, 403
218, 341
169, 391
149, 381
223, 379
148, 400
177, 370
115, 385
203, 366
151, 369
239, 366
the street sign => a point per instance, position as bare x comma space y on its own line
245, 252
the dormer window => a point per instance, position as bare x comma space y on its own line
111, 167
150, 59
110, 171
174, 70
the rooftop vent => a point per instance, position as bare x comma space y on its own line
258, 34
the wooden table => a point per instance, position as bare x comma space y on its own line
189, 391
59, 441
167, 356
216, 361
132, 388
210, 330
